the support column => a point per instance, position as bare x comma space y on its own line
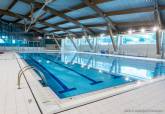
96, 44
163, 46
71, 39
87, 39
158, 35
119, 43
56, 41
112, 39
158, 23
90, 45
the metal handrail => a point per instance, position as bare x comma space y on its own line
30, 68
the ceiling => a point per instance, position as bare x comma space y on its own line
76, 16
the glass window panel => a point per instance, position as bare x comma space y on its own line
149, 38
104, 40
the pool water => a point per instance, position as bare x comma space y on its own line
71, 74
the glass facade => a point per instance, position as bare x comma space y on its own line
103, 42
149, 38
13, 36
12, 41
8, 36
9, 41
100, 40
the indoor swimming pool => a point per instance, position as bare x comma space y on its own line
71, 74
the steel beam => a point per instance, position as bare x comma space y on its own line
158, 23
113, 13
60, 14
158, 35
92, 4
87, 39
157, 15
112, 39
163, 45
90, 45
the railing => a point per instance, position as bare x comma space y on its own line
30, 68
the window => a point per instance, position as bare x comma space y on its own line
139, 39
104, 40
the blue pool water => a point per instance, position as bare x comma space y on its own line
70, 74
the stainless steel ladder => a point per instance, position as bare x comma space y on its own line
30, 68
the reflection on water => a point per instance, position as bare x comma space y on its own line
131, 67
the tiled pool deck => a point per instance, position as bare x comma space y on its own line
149, 99
13, 100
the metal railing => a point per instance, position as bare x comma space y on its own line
30, 68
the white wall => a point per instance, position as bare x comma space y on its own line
51, 47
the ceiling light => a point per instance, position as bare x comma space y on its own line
142, 30
155, 28
130, 31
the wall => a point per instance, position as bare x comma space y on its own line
51, 47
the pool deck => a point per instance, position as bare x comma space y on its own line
13, 100
149, 99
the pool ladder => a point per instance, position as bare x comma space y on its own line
30, 68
